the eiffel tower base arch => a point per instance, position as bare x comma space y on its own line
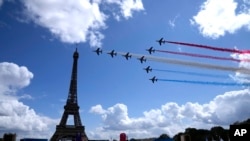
69, 132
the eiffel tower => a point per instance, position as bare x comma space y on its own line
71, 132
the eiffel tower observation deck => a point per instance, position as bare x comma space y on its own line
74, 132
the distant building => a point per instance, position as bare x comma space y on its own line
98, 140
166, 139
9, 137
144, 139
185, 137
32, 139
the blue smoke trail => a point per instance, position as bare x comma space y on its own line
193, 73
205, 83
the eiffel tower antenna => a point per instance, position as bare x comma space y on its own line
72, 132
76, 44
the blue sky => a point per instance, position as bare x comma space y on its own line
38, 38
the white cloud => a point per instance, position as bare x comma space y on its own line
246, 1
1, 3
13, 77
97, 109
76, 21
25, 96
172, 118
127, 7
216, 18
95, 38
172, 22
244, 63
71, 21
15, 116
225, 113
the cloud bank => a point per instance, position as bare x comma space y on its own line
216, 18
1, 3
79, 20
172, 118
15, 116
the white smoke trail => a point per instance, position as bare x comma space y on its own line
241, 69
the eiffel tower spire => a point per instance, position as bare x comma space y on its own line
71, 108
72, 97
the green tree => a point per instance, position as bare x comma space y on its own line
218, 132
177, 137
164, 136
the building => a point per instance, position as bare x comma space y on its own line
33, 139
9, 137
185, 137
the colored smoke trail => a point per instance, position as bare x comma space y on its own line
193, 73
205, 82
209, 47
199, 65
201, 56
189, 63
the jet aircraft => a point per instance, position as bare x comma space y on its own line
150, 50
148, 69
127, 56
112, 53
161, 41
153, 79
142, 59
98, 51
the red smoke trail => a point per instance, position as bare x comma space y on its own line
201, 56
209, 47
205, 82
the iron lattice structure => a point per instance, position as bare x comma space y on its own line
76, 131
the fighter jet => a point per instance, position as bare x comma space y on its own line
153, 79
150, 50
160, 41
98, 51
127, 56
148, 69
142, 59
112, 53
